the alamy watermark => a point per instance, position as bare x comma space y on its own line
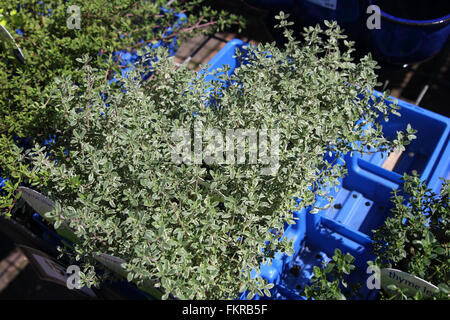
374, 280
374, 20
73, 281
74, 21
227, 147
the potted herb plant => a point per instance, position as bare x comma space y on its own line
52, 34
416, 238
198, 222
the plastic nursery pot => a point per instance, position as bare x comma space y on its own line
411, 30
350, 14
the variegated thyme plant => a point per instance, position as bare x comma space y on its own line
198, 230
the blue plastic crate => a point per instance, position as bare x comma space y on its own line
127, 59
362, 203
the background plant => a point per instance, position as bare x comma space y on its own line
50, 48
198, 231
416, 238
329, 281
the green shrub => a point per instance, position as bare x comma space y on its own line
199, 230
50, 49
416, 238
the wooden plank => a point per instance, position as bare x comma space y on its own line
392, 160
11, 266
206, 53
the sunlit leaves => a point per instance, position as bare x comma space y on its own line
199, 230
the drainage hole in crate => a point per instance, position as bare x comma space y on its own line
338, 206
367, 203
295, 270
355, 195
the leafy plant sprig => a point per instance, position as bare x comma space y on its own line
416, 238
329, 281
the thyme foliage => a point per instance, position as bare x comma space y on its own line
199, 230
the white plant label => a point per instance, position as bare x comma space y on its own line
7, 38
112, 263
115, 264
403, 280
330, 4
49, 269
43, 204
37, 201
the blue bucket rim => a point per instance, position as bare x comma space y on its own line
428, 22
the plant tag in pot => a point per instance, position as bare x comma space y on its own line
49, 269
9, 41
37, 201
42, 205
112, 263
403, 280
